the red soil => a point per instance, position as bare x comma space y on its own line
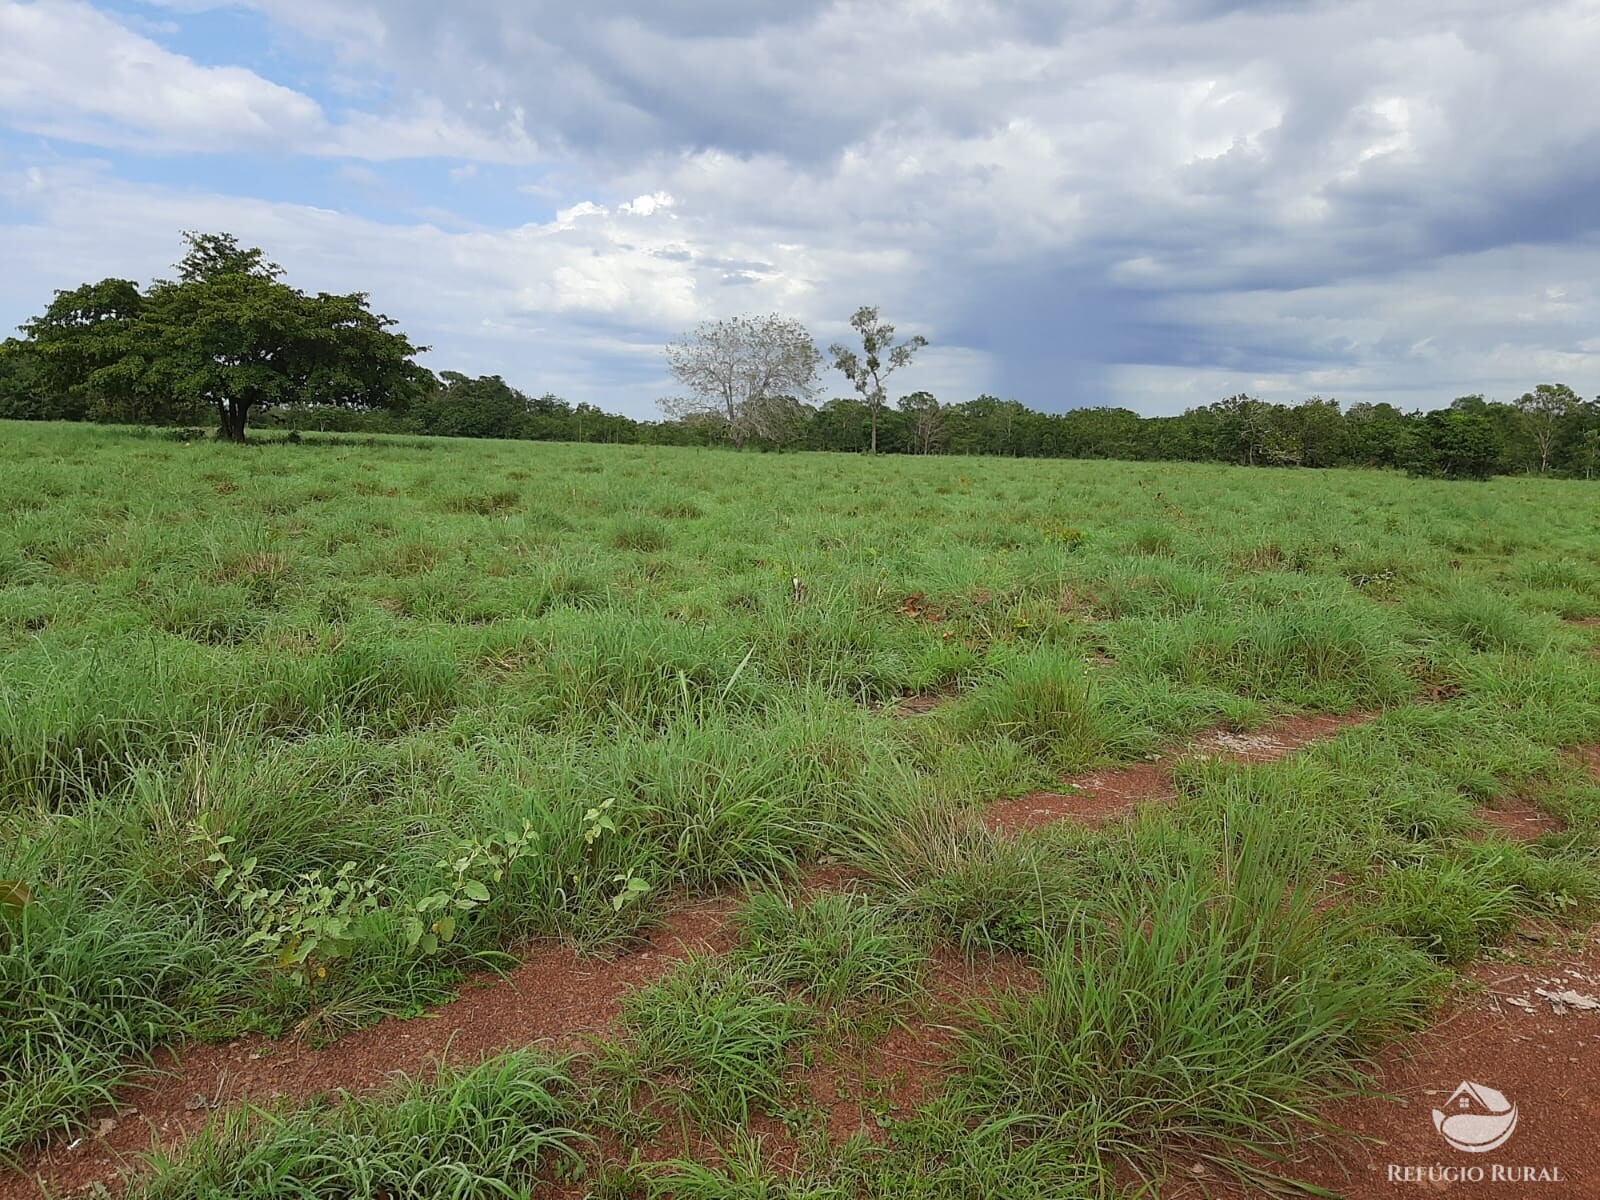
1589, 757
1518, 819
1092, 799
554, 997
1543, 1054
1277, 740
1100, 796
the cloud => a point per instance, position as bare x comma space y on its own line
643, 206
68, 70
581, 303
1079, 203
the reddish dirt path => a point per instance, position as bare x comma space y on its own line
554, 997
892, 1077
557, 998
1543, 1055
1100, 796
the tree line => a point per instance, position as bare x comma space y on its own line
228, 340
1549, 430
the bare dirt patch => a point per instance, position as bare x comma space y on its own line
918, 609
1277, 740
1518, 819
1092, 799
554, 997
1589, 756
835, 877
1100, 796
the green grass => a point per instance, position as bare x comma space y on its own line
487, 1131
390, 652
1214, 1010
706, 1045
838, 950
87, 988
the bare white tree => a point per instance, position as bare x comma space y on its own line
733, 370
1544, 411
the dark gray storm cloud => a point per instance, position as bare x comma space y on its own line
1152, 202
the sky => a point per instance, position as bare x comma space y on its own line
1149, 203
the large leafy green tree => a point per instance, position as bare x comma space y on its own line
228, 334
85, 347
25, 394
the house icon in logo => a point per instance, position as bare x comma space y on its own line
1476, 1119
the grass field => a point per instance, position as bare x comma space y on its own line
296, 735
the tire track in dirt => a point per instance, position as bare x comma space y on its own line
1096, 798
858, 1088
850, 1086
917, 1055
554, 997
560, 999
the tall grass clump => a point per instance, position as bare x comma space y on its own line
1313, 655
1219, 1006
492, 1130
1482, 620
1041, 699
73, 722
594, 670
837, 950
705, 1044
87, 989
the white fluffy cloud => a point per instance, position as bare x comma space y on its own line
1151, 204
69, 70
589, 296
